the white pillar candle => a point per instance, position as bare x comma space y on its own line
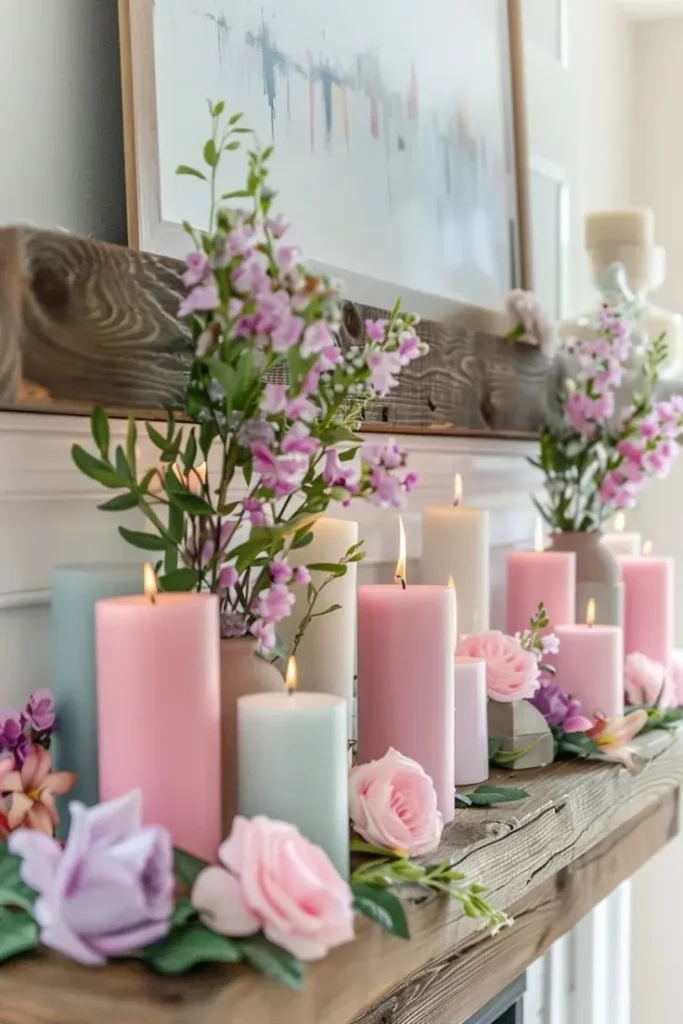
455, 542
621, 542
293, 765
326, 655
471, 724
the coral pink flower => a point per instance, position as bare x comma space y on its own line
272, 879
511, 672
613, 735
393, 804
32, 791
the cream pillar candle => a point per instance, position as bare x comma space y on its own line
455, 542
621, 542
326, 655
471, 723
293, 764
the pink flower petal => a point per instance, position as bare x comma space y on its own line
217, 896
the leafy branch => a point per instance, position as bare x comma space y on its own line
315, 591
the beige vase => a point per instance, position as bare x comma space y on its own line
597, 576
243, 672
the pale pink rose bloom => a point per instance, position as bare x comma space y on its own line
677, 675
393, 804
511, 672
644, 679
273, 880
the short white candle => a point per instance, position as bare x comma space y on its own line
293, 764
455, 542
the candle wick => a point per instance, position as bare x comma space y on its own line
402, 582
153, 598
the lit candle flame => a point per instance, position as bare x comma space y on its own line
647, 548
196, 475
590, 612
620, 522
291, 678
400, 573
150, 583
457, 489
451, 586
539, 541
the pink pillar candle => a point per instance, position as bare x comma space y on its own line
590, 667
471, 724
159, 712
406, 691
648, 606
535, 576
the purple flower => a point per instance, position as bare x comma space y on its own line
282, 474
109, 892
198, 269
383, 366
330, 358
551, 644
251, 277
40, 710
389, 455
649, 427
559, 709
201, 299
228, 577
254, 431
410, 482
341, 474
277, 226
287, 333
298, 439
275, 604
286, 257
239, 242
280, 572
409, 347
272, 309
316, 339
274, 399
302, 575
256, 511
232, 625
211, 546
264, 633
375, 329
302, 408
387, 491
12, 726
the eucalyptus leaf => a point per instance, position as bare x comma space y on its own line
99, 425
382, 907
179, 580
131, 444
176, 524
273, 962
184, 169
211, 155
190, 945
331, 608
18, 934
121, 503
302, 539
190, 453
145, 541
192, 504
156, 438
489, 795
13, 891
331, 568
123, 468
186, 867
224, 375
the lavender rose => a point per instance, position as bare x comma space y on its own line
109, 891
559, 709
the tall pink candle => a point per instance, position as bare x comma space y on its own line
540, 576
590, 667
471, 722
406, 640
648, 606
159, 712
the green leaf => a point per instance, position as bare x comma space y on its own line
232, 146
121, 503
176, 524
13, 891
211, 155
179, 580
131, 444
302, 539
156, 438
190, 453
18, 934
145, 541
331, 608
382, 907
489, 795
235, 118
99, 424
143, 486
184, 169
273, 961
188, 946
331, 568
192, 504
218, 109
95, 469
494, 748
577, 744
123, 469
240, 193
224, 375
184, 912
335, 435
186, 867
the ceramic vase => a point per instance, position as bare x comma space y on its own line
597, 576
243, 672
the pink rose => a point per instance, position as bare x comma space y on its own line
393, 804
677, 675
511, 672
644, 679
273, 880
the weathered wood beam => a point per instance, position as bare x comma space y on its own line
84, 322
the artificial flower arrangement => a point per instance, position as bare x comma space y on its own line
272, 397
118, 889
516, 670
596, 460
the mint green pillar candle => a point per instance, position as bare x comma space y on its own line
75, 589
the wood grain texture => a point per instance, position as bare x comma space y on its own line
85, 322
549, 859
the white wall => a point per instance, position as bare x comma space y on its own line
61, 158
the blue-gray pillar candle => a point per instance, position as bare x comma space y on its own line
75, 589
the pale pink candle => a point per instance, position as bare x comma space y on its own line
406, 684
648, 606
159, 712
540, 576
590, 666
471, 724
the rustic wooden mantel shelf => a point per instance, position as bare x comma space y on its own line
584, 829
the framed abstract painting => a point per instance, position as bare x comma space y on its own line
397, 130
